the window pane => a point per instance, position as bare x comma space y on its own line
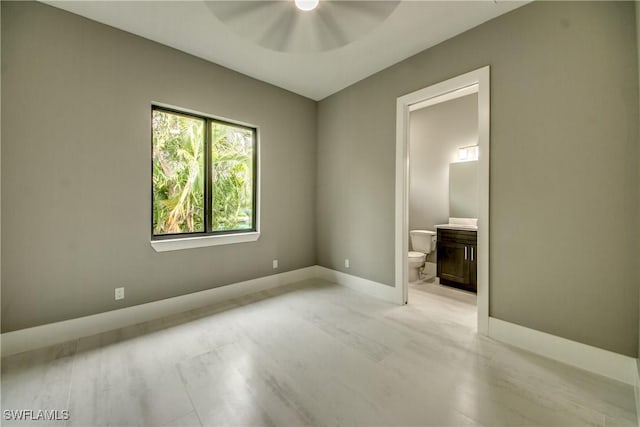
232, 177
178, 173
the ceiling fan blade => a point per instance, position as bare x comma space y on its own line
229, 11
277, 35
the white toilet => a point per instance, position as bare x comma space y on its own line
422, 242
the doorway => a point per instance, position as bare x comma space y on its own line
434, 94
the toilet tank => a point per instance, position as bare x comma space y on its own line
423, 240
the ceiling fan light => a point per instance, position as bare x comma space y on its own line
306, 5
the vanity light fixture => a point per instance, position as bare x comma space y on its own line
306, 5
468, 154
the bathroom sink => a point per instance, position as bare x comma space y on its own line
458, 227
461, 224
472, 222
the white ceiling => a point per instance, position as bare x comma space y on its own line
346, 42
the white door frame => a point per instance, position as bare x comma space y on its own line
480, 78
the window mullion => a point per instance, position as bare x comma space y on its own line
208, 184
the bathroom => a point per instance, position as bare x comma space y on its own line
443, 193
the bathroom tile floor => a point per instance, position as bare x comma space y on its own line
311, 353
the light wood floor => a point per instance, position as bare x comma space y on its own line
312, 353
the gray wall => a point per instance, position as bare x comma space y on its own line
76, 168
0, 163
638, 238
435, 134
563, 173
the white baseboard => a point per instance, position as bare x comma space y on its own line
54, 333
366, 286
593, 359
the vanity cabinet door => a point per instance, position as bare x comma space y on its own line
452, 264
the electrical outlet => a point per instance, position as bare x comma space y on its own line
275, 263
119, 293
346, 263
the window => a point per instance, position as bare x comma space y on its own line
204, 176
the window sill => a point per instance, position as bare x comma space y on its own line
203, 241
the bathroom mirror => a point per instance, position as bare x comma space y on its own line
463, 189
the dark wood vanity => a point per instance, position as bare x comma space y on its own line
456, 258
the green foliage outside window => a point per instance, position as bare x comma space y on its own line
179, 144
178, 173
232, 158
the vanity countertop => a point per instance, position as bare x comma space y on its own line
457, 227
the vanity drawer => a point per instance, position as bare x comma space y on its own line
459, 236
